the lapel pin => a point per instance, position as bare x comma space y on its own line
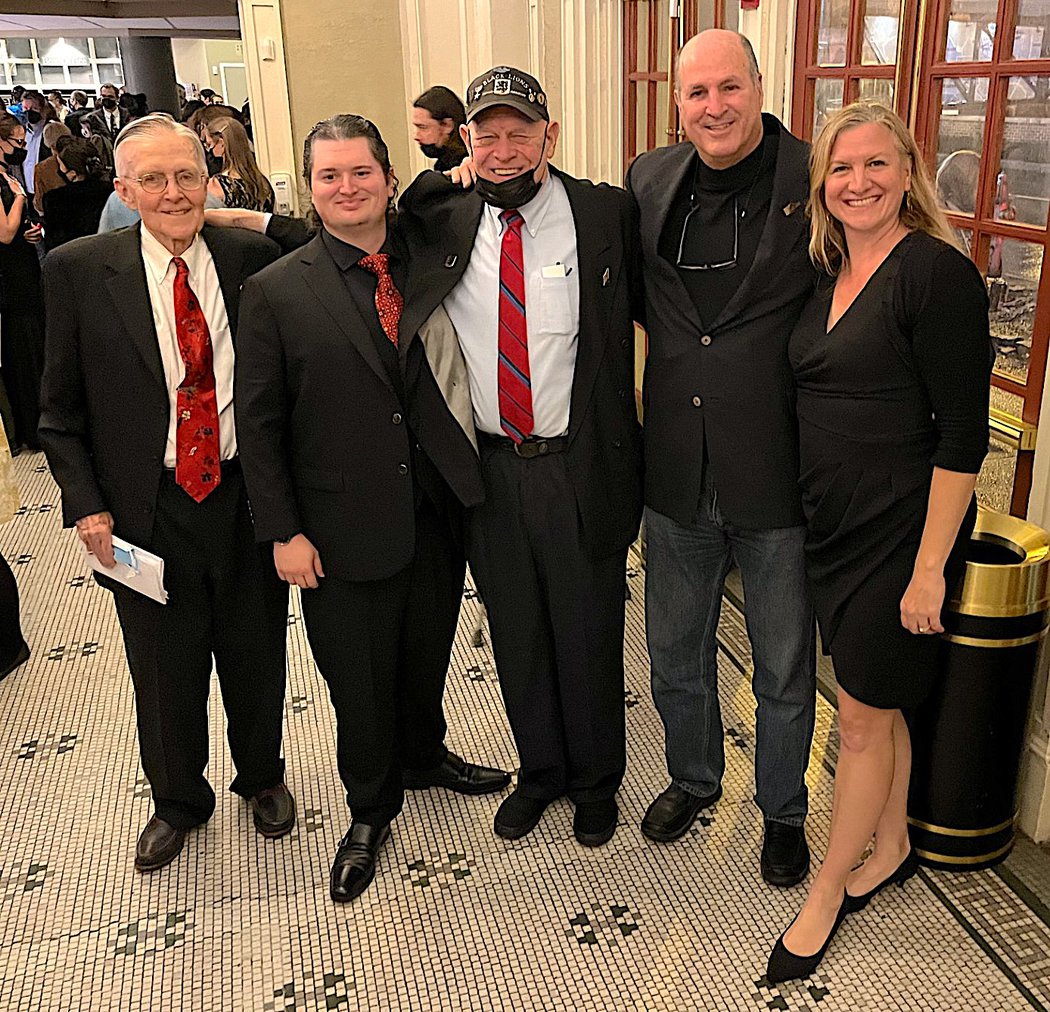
790, 209
605, 277
450, 261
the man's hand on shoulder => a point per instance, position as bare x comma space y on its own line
96, 532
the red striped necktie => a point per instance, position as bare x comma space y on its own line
514, 378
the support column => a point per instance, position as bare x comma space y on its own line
150, 69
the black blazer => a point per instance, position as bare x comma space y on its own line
730, 385
326, 442
104, 408
440, 222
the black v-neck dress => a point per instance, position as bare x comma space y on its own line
897, 387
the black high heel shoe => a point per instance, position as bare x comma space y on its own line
908, 867
785, 965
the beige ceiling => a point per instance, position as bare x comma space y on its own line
174, 18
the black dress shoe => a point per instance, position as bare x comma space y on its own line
785, 854
273, 811
785, 965
355, 860
518, 816
674, 811
594, 822
158, 845
20, 658
454, 774
908, 867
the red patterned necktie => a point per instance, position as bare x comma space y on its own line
514, 378
198, 468
389, 301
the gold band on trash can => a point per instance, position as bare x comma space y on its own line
929, 855
929, 827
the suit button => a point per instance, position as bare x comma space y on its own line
147, 509
697, 402
625, 343
402, 468
705, 340
617, 444
623, 394
396, 419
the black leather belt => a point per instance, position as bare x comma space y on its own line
527, 448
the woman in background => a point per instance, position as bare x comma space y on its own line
240, 183
74, 210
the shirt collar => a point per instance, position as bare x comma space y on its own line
533, 212
347, 255
157, 257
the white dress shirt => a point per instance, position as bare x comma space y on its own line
552, 310
204, 280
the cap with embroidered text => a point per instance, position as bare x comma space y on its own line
507, 86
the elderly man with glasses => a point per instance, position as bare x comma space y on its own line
137, 423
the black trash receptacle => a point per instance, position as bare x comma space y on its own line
968, 737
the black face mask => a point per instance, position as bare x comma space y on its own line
214, 163
431, 150
16, 156
33, 117
109, 104
514, 192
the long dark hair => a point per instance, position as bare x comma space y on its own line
80, 156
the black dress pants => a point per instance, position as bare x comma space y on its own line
224, 599
556, 616
383, 647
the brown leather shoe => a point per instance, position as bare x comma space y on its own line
273, 811
158, 845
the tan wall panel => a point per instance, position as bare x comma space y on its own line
347, 57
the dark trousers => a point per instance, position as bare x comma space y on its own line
557, 621
224, 599
383, 647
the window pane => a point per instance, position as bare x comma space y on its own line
23, 74
971, 30
81, 77
1032, 34
827, 98
832, 33
19, 49
106, 48
1023, 186
110, 73
881, 22
876, 90
52, 77
60, 52
960, 137
1013, 281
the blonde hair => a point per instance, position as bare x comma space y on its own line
151, 126
919, 211
237, 156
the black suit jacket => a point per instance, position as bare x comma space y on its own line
327, 444
105, 408
730, 384
100, 123
440, 222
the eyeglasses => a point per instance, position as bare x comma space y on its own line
721, 265
157, 182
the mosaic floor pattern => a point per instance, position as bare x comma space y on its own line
457, 919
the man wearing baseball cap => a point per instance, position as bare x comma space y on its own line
537, 272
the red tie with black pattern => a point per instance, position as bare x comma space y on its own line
198, 468
389, 301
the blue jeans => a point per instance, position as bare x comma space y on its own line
686, 567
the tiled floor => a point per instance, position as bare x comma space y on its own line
457, 918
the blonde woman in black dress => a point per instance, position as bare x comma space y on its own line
892, 363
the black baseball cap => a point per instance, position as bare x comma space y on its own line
507, 86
